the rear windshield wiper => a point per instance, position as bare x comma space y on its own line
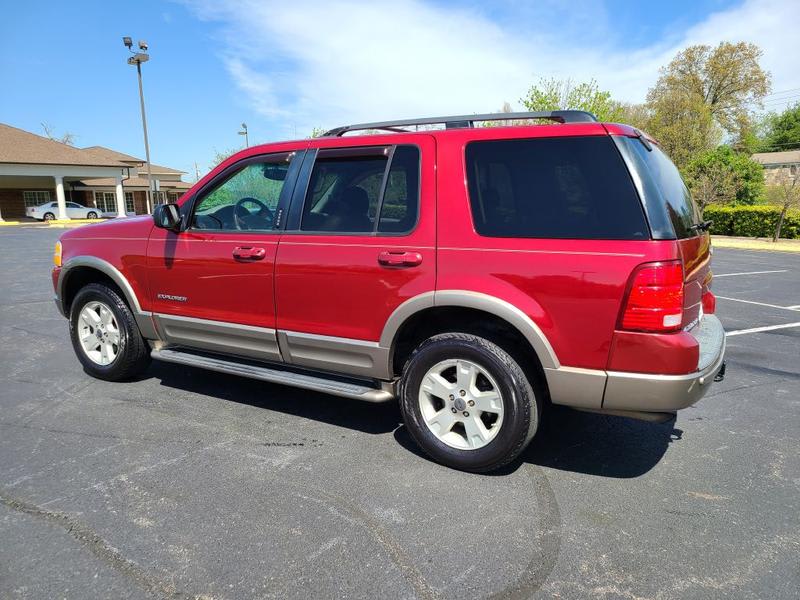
645, 142
702, 226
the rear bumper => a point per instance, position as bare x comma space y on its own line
667, 393
625, 392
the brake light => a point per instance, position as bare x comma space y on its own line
709, 302
655, 298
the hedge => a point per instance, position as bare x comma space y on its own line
752, 221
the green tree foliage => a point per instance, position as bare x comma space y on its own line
564, 94
724, 176
704, 92
782, 131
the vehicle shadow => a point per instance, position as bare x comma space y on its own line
567, 440
342, 412
580, 442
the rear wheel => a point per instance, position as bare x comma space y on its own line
48, 216
105, 336
467, 402
91, 215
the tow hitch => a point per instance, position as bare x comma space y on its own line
721, 373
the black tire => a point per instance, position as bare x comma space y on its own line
133, 354
91, 215
48, 216
521, 406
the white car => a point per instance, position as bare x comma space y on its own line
49, 211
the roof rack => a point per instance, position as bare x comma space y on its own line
466, 121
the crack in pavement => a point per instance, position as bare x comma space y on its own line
97, 546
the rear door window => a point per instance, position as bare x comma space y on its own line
565, 187
376, 191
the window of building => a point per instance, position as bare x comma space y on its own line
105, 201
35, 198
172, 197
245, 200
569, 187
129, 206
353, 193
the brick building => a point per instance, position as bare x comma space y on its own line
35, 170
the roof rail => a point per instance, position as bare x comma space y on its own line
465, 121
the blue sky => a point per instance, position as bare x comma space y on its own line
285, 68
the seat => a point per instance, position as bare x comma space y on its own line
348, 213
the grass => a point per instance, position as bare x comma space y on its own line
744, 243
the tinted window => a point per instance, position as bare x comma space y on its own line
670, 207
401, 199
246, 200
569, 187
73, 205
346, 193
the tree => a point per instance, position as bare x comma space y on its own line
317, 132
66, 138
738, 178
783, 131
703, 92
784, 191
563, 94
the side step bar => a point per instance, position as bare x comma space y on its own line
317, 383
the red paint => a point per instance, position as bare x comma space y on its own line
348, 285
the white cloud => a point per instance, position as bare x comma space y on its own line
314, 63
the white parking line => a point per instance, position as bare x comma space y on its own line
760, 329
795, 308
748, 273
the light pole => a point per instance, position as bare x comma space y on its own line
244, 133
137, 59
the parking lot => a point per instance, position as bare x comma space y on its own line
194, 484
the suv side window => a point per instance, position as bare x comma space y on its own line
245, 200
564, 187
377, 192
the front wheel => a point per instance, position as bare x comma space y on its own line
105, 336
467, 402
91, 215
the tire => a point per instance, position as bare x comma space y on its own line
48, 216
516, 423
131, 357
91, 215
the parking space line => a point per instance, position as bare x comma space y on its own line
749, 273
760, 329
795, 309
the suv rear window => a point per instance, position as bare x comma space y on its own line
566, 187
670, 207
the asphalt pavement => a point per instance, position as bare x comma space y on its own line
187, 483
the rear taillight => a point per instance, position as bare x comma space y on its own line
709, 302
655, 298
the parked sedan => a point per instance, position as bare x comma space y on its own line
49, 211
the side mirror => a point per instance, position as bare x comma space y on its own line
167, 216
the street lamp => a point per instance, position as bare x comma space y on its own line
137, 59
244, 133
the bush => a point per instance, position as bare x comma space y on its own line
752, 221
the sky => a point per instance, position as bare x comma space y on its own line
285, 68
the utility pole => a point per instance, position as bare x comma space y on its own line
244, 133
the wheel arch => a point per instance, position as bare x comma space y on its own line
435, 304
82, 270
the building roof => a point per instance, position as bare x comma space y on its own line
114, 155
22, 147
134, 182
777, 158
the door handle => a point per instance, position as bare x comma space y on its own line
389, 258
249, 253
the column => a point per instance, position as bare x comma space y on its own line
120, 198
62, 201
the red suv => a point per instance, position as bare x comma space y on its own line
475, 274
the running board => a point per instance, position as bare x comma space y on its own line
317, 383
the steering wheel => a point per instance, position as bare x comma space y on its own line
241, 215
